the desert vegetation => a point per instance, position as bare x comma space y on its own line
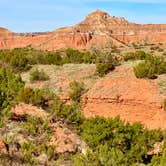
77, 90
105, 64
101, 105
37, 75
23, 59
138, 55
124, 144
110, 141
150, 68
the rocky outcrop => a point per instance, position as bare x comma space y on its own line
121, 94
97, 29
64, 140
19, 41
24, 109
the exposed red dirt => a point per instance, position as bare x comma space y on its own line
121, 94
23, 109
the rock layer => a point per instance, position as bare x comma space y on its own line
121, 94
97, 29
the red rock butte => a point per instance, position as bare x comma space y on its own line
98, 29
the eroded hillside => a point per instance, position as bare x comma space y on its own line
104, 107
98, 29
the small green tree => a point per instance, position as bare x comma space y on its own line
77, 90
37, 75
151, 67
53, 58
38, 97
104, 68
10, 85
105, 64
19, 63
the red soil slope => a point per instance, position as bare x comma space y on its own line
121, 94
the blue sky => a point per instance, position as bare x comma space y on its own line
47, 15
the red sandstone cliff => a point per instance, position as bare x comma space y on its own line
97, 29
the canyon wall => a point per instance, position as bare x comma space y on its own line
98, 29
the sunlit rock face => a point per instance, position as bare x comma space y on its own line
98, 29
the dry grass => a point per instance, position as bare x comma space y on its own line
61, 76
161, 83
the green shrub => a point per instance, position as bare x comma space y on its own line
50, 151
77, 90
160, 50
150, 68
138, 55
154, 47
19, 63
10, 85
114, 49
31, 152
129, 56
40, 132
21, 59
36, 127
38, 97
70, 113
165, 104
53, 58
89, 58
73, 56
103, 69
144, 70
105, 64
27, 150
107, 58
37, 75
113, 142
